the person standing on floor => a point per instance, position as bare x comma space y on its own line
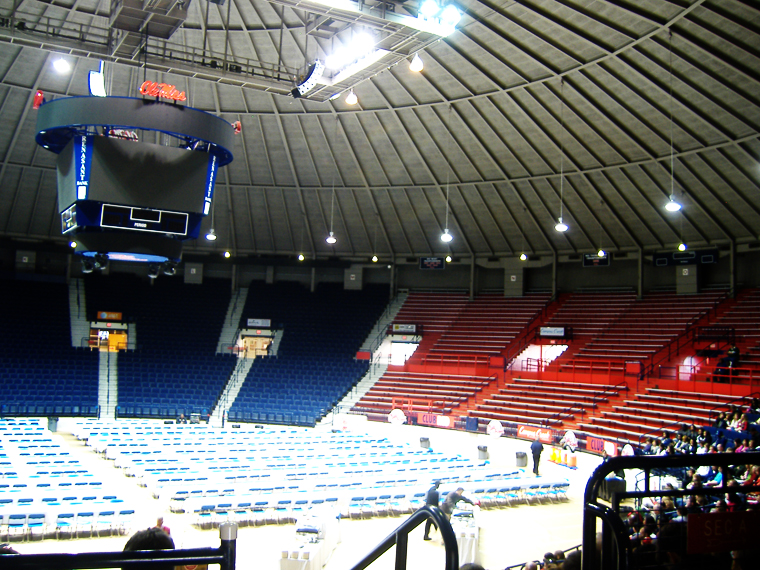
536, 448
432, 499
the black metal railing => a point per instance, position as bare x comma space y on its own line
224, 556
611, 553
400, 539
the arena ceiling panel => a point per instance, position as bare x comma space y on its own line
530, 110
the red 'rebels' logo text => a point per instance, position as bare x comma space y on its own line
163, 90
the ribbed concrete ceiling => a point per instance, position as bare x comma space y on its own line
531, 110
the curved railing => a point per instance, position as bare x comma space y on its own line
400, 539
224, 556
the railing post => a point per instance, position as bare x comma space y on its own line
402, 543
228, 546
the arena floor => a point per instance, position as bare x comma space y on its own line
507, 535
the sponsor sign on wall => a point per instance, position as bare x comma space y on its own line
722, 532
598, 445
433, 420
545, 435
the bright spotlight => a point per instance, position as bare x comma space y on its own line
331, 239
301, 257
672, 206
446, 237
374, 259
416, 64
682, 247
61, 65
211, 235
601, 253
351, 98
450, 16
561, 226
448, 259
429, 8
523, 257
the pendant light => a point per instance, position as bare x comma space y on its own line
416, 64
446, 237
561, 226
672, 205
331, 239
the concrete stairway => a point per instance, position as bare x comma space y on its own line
227, 337
108, 384
80, 326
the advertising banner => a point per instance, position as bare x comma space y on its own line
529, 432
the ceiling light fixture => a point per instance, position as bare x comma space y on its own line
448, 259
301, 257
72, 244
416, 64
227, 254
211, 235
601, 252
561, 226
351, 98
682, 247
61, 65
672, 205
446, 237
523, 257
331, 239
374, 259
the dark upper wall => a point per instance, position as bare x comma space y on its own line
571, 275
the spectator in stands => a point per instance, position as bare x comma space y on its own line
696, 482
734, 423
656, 448
688, 476
182, 419
471, 566
720, 422
681, 514
559, 556
733, 355
149, 539
160, 524
536, 448
666, 440
717, 478
704, 437
743, 446
647, 448
720, 506
573, 561
528, 566
703, 448
754, 476
692, 446
451, 501
432, 498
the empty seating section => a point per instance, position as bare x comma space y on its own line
435, 312
315, 365
41, 481
418, 392
489, 323
40, 372
653, 410
541, 402
174, 368
274, 475
648, 325
743, 315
